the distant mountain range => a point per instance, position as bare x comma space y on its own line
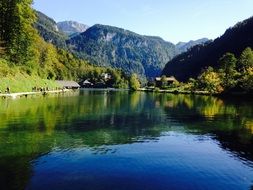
71, 27
185, 46
111, 46
190, 63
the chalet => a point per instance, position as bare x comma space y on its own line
106, 76
68, 84
87, 84
168, 80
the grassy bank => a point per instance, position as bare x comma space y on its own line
24, 83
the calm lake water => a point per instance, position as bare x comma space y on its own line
108, 140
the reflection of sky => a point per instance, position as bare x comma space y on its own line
176, 160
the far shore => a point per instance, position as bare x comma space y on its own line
203, 93
173, 91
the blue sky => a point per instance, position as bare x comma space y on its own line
173, 20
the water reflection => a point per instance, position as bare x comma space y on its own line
96, 120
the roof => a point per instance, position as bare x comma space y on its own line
64, 83
167, 79
87, 82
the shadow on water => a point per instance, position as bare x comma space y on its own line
33, 127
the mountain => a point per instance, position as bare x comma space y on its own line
185, 46
190, 63
118, 48
48, 29
71, 27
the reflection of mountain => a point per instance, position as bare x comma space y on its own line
30, 128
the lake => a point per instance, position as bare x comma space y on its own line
118, 140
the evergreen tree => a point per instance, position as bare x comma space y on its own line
245, 63
228, 70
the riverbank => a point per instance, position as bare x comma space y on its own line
26, 94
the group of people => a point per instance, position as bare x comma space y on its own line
40, 89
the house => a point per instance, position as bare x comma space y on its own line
87, 84
106, 76
68, 84
159, 81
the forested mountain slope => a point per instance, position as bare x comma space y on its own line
118, 48
190, 64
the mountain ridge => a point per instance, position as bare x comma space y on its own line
185, 46
191, 63
111, 46
71, 27
116, 47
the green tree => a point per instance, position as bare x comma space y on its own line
245, 66
228, 70
210, 80
134, 83
16, 29
245, 63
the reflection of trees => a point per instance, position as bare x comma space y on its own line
229, 121
32, 127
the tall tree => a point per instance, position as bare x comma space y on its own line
228, 70
16, 29
245, 65
245, 62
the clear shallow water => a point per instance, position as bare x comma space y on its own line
121, 140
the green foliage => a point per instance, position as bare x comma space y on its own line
210, 80
228, 70
245, 63
232, 75
134, 82
17, 31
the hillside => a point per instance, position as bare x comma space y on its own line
111, 46
118, 48
48, 29
71, 27
190, 64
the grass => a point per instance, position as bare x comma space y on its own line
25, 83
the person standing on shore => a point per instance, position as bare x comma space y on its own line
8, 90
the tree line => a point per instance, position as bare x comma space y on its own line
232, 75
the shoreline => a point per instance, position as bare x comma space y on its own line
201, 93
205, 93
26, 94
